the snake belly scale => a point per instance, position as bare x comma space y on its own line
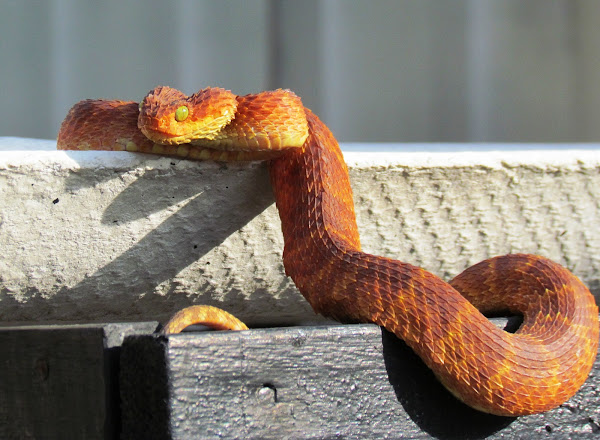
533, 370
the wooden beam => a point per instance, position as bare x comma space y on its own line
351, 381
60, 382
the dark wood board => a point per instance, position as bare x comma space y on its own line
329, 382
61, 382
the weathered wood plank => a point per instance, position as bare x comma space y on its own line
59, 382
353, 381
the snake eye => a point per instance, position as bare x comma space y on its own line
181, 113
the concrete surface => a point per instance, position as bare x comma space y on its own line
103, 236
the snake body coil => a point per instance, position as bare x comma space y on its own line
533, 370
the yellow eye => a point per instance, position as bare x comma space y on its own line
181, 113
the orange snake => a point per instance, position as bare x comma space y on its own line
533, 370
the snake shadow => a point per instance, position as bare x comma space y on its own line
434, 409
123, 288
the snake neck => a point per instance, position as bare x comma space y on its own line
314, 199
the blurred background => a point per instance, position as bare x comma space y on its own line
379, 70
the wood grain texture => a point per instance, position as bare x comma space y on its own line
59, 382
353, 381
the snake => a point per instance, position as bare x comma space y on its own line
534, 369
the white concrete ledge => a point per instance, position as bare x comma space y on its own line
101, 236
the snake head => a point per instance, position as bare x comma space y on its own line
168, 116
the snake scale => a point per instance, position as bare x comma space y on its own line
535, 369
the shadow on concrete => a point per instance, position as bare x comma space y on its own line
195, 226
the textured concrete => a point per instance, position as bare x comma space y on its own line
101, 236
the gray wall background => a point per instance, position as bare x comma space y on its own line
380, 70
